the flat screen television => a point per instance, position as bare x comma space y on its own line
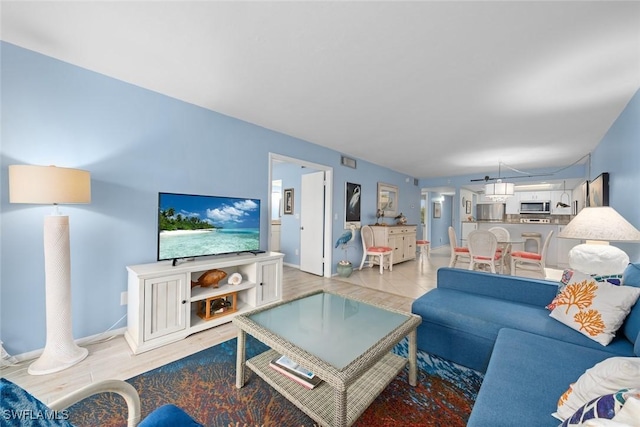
196, 225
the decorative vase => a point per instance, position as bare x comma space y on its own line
345, 269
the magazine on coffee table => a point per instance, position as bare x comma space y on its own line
289, 368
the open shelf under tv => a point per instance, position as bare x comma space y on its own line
162, 305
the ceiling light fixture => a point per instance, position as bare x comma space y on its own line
498, 191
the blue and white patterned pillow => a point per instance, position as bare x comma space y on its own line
603, 407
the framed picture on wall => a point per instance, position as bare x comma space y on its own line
388, 199
288, 201
437, 210
599, 190
352, 204
467, 209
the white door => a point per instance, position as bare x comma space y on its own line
312, 223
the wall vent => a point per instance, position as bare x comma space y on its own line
348, 162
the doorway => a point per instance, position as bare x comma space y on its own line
305, 237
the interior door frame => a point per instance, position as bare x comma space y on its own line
328, 204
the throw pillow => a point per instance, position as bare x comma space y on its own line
595, 309
608, 376
605, 407
614, 279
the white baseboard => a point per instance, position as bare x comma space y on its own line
80, 342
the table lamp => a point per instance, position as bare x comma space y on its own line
599, 226
54, 185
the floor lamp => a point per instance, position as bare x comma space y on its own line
54, 185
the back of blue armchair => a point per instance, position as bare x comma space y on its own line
512, 288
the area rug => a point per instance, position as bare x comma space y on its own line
203, 384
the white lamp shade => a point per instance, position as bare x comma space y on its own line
499, 190
48, 185
600, 223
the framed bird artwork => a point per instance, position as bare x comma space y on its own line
352, 205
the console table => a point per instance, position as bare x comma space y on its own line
401, 238
163, 307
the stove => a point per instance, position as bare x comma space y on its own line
535, 220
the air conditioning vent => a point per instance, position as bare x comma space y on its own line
348, 162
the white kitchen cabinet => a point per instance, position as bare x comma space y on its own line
527, 196
163, 305
401, 238
560, 197
512, 205
467, 227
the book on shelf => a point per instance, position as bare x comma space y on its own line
289, 368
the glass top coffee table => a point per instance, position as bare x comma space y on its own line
345, 342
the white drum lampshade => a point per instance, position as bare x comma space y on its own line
54, 185
599, 226
499, 191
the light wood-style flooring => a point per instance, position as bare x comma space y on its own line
113, 359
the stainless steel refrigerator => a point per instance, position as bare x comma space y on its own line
490, 212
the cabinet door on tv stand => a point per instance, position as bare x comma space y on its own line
269, 286
165, 306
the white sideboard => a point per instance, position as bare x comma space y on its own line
163, 307
401, 238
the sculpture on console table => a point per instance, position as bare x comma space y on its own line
401, 219
209, 278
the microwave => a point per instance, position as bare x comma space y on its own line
535, 207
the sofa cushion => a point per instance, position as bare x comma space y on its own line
524, 290
462, 327
631, 326
525, 376
595, 309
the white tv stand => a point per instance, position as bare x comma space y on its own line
162, 306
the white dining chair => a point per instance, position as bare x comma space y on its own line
531, 261
370, 250
458, 253
483, 247
504, 245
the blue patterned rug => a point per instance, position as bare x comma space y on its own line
203, 384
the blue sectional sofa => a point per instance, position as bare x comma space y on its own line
499, 325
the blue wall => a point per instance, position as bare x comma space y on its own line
135, 143
619, 154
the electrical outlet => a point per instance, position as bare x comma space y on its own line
124, 298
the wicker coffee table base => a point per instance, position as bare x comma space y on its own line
345, 393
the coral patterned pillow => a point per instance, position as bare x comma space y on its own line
614, 279
595, 309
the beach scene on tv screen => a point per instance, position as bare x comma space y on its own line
191, 225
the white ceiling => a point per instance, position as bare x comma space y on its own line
425, 88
